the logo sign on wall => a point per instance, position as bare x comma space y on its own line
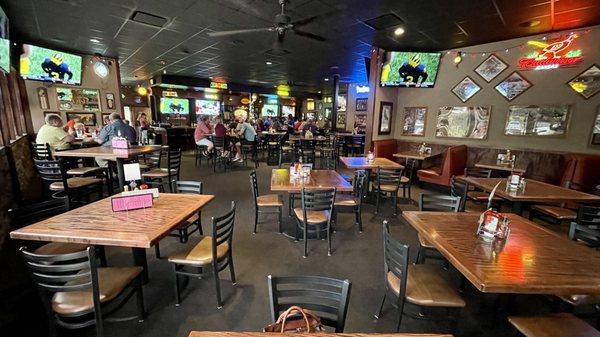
169, 93
552, 54
218, 85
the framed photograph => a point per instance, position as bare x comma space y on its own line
71, 99
385, 118
596, 129
104, 117
340, 123
512, 86
587, 84
360, 122
414, 118
465, 89
361, 104
310, 105
490, 68
537, 120
342, 103
110, 101
42, 93
463, 122
87, 118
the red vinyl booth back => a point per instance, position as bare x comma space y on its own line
454, 162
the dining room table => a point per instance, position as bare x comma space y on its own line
534, 192
502, 167
531, 260
320, 334
97, 224
363, 163
416, 155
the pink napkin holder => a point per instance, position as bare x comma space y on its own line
131, 202
120, 143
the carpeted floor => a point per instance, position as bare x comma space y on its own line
357, 257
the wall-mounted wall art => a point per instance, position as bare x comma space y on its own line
342, 103
361, 104
341, 120
310, 105
513, 86
110, 101
587, 84
42, 93
537, 120
490, 68
414, 119
385, 118
70, 99
596, 129
465, 89
463, 122
87, 118
360, 122
104, 117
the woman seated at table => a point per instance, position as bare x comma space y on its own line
247, 132
53, 133
203, 130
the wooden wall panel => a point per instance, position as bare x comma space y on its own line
9, 119
15, 100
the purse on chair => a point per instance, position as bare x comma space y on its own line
303, 321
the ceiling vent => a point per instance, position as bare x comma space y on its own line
384, 21
148, 19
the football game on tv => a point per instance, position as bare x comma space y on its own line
174, 106
207, 107
410, 69
43, 64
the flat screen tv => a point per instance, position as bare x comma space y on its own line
43, 64
4, 42
270, 110
207, 107
409, 69
170, 105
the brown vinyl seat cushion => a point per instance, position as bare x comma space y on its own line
75, 182
111, 282
200, 254
81, 171
269, 200
553, 325
158, 173
425, 243
557, 212
426, 287
388, 188
57, 248
314, 217
346, 200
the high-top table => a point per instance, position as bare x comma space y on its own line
97, 224
533, 260
108, 153
535, 191
320, 334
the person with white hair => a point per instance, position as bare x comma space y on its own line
115, 128
53, 133
245, 130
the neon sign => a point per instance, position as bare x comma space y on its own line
362, 89
552, 55
218, 85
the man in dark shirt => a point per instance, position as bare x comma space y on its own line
310, 125
115, 128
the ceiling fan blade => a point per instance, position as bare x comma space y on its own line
309, 35
304, 22
240, 31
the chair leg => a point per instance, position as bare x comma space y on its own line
359, 219
305, 240
177, 290
377, 209
183, 235
99, 324
217, 285
102, 256
231, 269
279, 219
396, 203
400, 312
255, 219
329, 240
140, 299
378, 313
157, 250
419, 255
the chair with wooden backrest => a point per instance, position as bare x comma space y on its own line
77, 294
55, 179
480, 196
387, 185
419, 284
434, 203
459, 189
557, 213
553, 325
268, 201
214, 251
327, 297
353, 201
151, 161
158, 176
315, 215
44, 152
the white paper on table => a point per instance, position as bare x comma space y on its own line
132, 172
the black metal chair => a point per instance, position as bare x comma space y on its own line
250, 151
199, 151
407, 178
586, 228
315, 215
268, 201
214, 251
273, 148
387, 185
459, 188
481, 196
434, 203
151, 161
221, 155
41, 151
160, 176
556, 213
329, 153
353, 202
308, 150
419, 285
77, 294
327, 297
54, 176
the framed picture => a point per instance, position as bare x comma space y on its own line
310, 105
70, 99
42, 93
342, 103
385, 118
513, 86
465, 89
587, 84
360, 122
110, 101
361, 104
596, 129
104, 117
463, 122
340, 123
537, 120
87, 118
490, 68
414, 118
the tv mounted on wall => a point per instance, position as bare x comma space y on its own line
174, 105
49, 65
4, 43
409, 69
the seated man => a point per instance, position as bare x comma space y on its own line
246, 131
115, 128
203, 131
310, 126
53, 133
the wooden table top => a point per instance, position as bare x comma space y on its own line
501, 167
535, 191
320, 334
96, 224
107, 152
414, 155
534, 260
281, 181
362, 163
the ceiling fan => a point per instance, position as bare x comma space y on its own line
283, 23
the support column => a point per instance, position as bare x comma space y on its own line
334, 108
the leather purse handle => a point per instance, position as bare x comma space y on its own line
291, 310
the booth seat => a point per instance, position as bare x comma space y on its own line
453, 163
587, 171
385, 148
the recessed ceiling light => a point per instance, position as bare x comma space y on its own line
318, 92
399, 31
94, 40
326, 79
269, 63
